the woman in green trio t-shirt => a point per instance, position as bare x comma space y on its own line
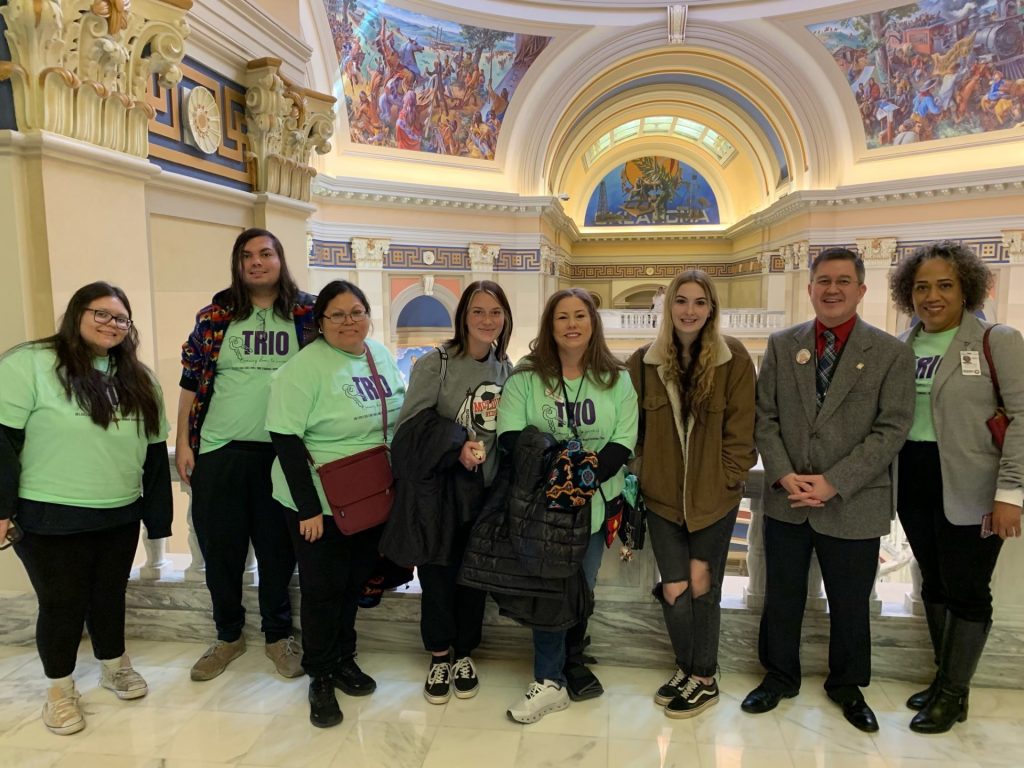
958, 495
571, 385
82, 461
325, 400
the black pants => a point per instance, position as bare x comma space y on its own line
332, 571
451, 615
231, 506
80, 580
956, 563
848, 568
693, 623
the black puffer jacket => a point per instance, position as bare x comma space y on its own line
514, 521
434, 493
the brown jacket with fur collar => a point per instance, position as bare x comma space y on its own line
693, 466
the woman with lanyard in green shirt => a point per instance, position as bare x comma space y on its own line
958, 494
324, 399
571, 385
82, 461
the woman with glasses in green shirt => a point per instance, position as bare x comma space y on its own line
325, 400
83, 460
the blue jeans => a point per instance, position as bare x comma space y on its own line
548, 646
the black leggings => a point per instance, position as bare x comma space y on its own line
956, 563
80, 580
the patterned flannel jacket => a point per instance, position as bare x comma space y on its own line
201, 350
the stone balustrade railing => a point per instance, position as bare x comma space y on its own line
736, 322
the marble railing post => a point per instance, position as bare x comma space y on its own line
157, 563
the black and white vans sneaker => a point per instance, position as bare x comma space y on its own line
438, 688
671, 689
465, 681
693, 699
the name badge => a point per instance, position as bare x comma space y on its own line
970, 363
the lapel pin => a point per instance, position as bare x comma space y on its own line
803, 356
860, 366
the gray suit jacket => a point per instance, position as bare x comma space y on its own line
852, 441
974, 472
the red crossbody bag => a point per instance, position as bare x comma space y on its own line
360, 487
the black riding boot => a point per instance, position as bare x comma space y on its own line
581, 683
962, 645
935, 613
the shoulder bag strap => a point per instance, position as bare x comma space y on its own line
380, 393
991, 365
442, 353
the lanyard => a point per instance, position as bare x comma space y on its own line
570, 405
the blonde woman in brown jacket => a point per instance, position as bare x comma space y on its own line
697, 443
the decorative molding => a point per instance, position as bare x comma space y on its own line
1013, 243
587, 271
80, 68
370, 254
548, 260
285, 123
877, 251
202, 120
677, 23
796, 256
332, 255
482, 256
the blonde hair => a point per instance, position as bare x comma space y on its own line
671, 351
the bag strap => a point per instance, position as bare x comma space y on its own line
442, 353
991, 365
380, 393
642, 426
380, 396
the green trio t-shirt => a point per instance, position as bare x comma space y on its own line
252, 350
929, 349
602, 416
67, 459
327, 397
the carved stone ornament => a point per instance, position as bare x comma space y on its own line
877, 251
483, 256
285, 124
677, 23
548, 260
80, 68
370, 253
765, 259
203, 120
1013, 241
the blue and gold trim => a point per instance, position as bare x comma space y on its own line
167, 147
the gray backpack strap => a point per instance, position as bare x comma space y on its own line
443, 354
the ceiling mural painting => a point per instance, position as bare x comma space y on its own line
652, 191
933, 69
430, 85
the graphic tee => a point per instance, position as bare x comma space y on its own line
327, 397
929, 349
601, 416
469, 394
252, 350
67, 459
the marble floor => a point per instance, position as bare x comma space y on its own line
249, 717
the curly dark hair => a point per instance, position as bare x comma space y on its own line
975, 277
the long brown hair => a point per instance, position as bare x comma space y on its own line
598, 361
696, 381
287, 290
134, 391
460, 341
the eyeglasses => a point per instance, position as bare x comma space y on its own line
339, 318
105, 318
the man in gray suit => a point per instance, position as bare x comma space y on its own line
835, 400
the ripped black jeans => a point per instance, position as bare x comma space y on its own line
693, 623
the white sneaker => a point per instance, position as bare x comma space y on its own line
61, 712
123, 681
540, 699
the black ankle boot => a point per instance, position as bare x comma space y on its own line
324, 711
935, 614
962, 645
581, 683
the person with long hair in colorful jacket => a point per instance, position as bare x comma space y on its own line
224, 452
